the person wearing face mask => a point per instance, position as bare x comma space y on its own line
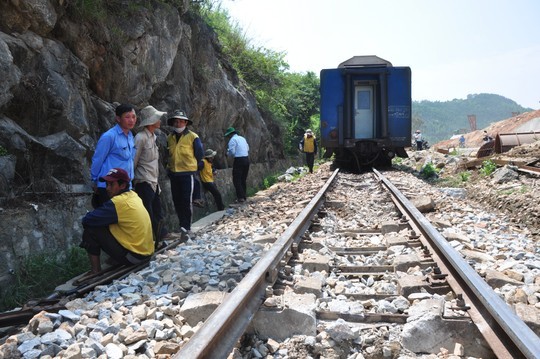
115, 148
185, 151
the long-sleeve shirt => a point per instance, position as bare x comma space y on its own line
114, 149
146, 161
185, 152
237, 147
127, 219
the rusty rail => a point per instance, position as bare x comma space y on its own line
57, 300
222, 330
506, 333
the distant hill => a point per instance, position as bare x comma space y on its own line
440, 120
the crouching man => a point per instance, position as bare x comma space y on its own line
121, 227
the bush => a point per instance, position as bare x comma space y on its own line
428, 171
38, 276
488, 167
464, 176
269, 181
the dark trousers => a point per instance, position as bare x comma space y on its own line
212, 188
100, 197
96, 239
152, 203
240, 173
310, 160
419, 145
196, 187
182, 194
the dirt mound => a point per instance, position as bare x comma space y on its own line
474, 139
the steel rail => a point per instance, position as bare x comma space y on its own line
224, 327
513, 338
57, 300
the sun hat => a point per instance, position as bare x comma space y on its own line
209, 153
417, 131
177, 114
309, 131
114, 175
150, 116
229, 131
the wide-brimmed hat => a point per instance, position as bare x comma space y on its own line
150, 116
417, 131
229, 131
309, 131
177, 114
114, 175
209, 153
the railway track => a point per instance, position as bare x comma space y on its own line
365, 256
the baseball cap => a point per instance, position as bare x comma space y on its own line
114, 175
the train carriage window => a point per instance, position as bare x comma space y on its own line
363, 100
363, 111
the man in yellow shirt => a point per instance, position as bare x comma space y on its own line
121, 227
308, 145
185, 154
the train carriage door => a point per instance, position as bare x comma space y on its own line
363, 111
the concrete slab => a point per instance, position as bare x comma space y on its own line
311, 285
295, 316
316, 263
426, 331
198, 307
396, 239
205, 221
530, 315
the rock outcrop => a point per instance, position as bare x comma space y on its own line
64, 69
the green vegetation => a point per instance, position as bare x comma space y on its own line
428, 171
440, 120
488, 167
521, 190
3, 151
90, 9
270, 181
464, 176
39, 275
292, 99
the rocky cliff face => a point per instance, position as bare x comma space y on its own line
62, 73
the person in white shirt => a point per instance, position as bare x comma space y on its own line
418, 139
238, 148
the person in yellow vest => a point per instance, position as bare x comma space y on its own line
207, 178
308, 145
121, 227
185, 154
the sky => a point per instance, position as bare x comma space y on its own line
453, 47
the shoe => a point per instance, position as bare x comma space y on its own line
184, 235
198, 203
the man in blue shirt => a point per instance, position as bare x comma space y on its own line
115, 149
238, 148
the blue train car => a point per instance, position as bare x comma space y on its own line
365, 112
